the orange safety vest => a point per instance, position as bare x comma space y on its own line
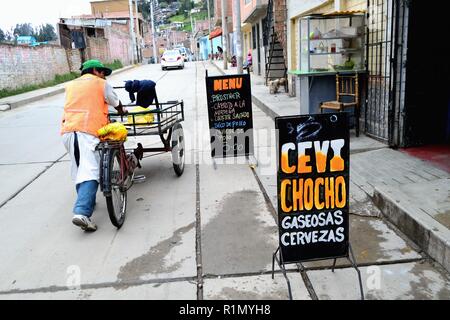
86, 109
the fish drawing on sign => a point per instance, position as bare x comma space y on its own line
308, 130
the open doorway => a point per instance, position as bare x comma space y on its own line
427, 94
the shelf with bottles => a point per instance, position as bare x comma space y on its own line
331, 40
335, 63
341, 52
342, 47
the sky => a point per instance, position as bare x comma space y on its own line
39, 12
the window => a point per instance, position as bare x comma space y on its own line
266, 33
254, 37
90, 32
172, 53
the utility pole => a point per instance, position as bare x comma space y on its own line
167, 39
195, 42
237, 6
173, 38
192, 36
209, 29
132, 34
224, 35
138, 31
155, 56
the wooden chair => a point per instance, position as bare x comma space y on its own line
346, 86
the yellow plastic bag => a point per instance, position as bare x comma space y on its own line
113, 131
142, 118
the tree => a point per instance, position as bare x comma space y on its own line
185, 7
23, 29
10, 35
45, 33
144, 8
2, 36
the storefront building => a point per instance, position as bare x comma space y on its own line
229, 23
253, 13
205, 44
297, 9
407, 98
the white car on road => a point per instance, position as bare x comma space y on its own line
172, 59
183, 52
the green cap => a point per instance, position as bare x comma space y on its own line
97, 65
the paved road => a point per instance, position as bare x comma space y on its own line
156, 253
209, 234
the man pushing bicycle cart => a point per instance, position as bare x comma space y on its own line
85, 112
96, 146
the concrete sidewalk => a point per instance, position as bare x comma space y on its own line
411, 193
19, 100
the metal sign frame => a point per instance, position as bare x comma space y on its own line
314, 151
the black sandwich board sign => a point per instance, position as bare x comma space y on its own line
230, 115
313, 186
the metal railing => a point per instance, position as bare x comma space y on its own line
384, 54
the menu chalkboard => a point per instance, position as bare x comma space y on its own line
313, 186
230, 115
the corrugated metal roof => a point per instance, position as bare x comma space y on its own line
344, 12
107, 15
100, 23
217, 32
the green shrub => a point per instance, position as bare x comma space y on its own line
117, 64
59, 78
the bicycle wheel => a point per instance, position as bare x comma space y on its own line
116, 199
178, 149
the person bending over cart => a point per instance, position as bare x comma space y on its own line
145, 89
85, 112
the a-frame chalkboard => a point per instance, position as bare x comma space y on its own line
313, 164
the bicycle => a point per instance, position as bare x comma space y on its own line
118, 165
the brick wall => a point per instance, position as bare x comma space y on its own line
124, 28
218, 10
280, 18
110, 6
201, 25
21, 65
97, 48
74, 59
119, 45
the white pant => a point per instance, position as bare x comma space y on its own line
89, 162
